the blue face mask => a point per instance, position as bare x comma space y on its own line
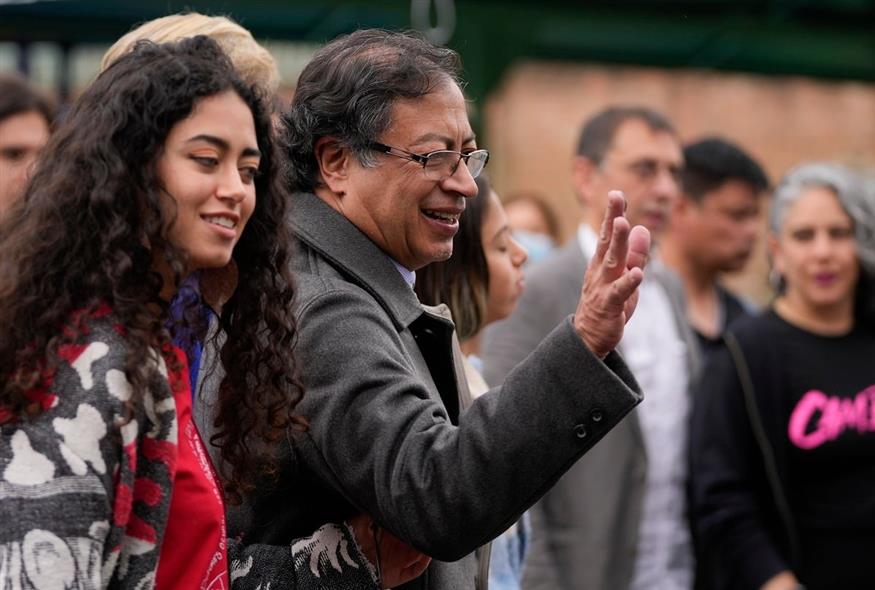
538, 246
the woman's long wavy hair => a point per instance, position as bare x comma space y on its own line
90, 227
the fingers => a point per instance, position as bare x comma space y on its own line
416, 569
609, 292
624, 287
639, 247
412, 571
419, 561
614, 262
630, 306
400, 562
615, 208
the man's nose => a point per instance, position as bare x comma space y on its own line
461, 182
666, 184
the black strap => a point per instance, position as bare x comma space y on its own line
768, 453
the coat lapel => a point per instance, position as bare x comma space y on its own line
333, 236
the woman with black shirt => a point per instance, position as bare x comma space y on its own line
783, 435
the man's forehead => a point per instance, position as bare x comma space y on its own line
26, 124
440, 116
431, 136
733, 190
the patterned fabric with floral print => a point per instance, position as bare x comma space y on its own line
85, 488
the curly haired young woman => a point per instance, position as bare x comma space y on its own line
165, 166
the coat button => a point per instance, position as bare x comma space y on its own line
580, 431
596, 415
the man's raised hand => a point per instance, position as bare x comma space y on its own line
610, 286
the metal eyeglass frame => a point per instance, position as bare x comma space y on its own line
423, 158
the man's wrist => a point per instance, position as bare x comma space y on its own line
587, 340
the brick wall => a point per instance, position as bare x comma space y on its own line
531, 125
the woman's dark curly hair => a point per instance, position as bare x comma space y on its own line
90, 226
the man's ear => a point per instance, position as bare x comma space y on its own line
583, 171
333, 159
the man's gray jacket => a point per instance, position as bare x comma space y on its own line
386, 435
585, 529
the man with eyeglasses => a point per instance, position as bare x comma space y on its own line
383, 161
617, 519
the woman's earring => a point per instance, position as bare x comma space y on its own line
776, 281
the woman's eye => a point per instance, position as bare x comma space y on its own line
206, 161
803, 235
249, 174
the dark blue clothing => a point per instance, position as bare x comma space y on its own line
731, 308
189, 320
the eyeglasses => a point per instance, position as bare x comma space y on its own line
647, 170
441, 164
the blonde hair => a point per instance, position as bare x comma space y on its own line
252, 61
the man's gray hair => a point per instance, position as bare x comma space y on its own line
348, 89
854, 196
